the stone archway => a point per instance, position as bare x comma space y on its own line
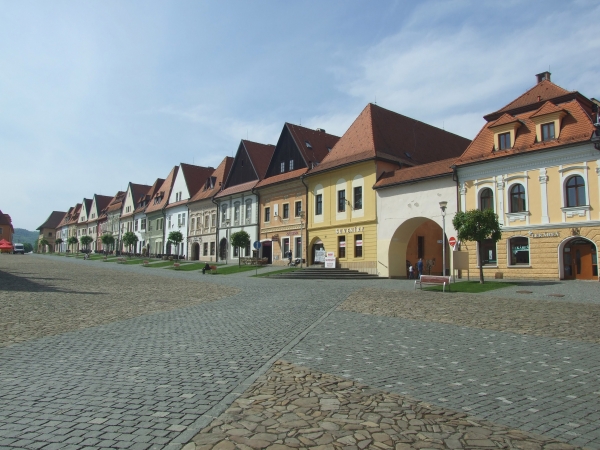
414, 238
316, 244
578, 259
223, 249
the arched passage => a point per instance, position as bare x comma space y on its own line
195, 251
316, 251
223, 249
577, 259
417, 238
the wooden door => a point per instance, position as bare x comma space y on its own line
582, 259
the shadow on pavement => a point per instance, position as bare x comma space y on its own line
13, 283
535, 283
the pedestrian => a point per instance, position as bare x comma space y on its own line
289, 257
420, 267
411, 273
205, 268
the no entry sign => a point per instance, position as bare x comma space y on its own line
452, 241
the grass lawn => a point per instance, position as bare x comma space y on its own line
195, 266
228, 269
268, 274
162, 264
471, 286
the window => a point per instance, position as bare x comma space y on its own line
205, 249
420, 247
248, 211
504, 141
212, 249
486, 199
358, 246
223, 214
342, 246
143, 224
267, 214
283, 167
297, 209
575, 191
135, 225
519, 251
318, 204
517, 198
286, 210
49, 233
291, 164
547, 131
247, 250
183, 220
214, 220
488, 252
342, 201
236, 213
169, 222
236, 251
298, 247
192, 223
285, 247
358, 197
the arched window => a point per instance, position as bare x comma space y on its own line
517, 199
576, 191
486, 199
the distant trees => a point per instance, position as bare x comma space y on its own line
176, 238
107, 240
58, 242
27, 247
130, 240
72, 241
240, 239
85, 241
42, 243
477, 225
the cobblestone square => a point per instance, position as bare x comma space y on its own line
99, 355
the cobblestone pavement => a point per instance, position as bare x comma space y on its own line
154, 379
563, 320
294, 407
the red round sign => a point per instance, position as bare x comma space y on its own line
452, 241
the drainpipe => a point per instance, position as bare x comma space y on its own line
305, 217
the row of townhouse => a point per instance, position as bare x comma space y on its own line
372, 198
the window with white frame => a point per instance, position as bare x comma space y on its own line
517, 198
248, 211
575, 191
518, 251
486, 199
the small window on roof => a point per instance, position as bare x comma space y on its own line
408, 155
328, 149
308, 144
504, 141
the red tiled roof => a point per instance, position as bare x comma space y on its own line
116, 203
547, 108
137, 190
5, 219
218, 178
412, 174
164, 190
503, 120
147, 196
380, 133
102, 201
75, 214
260, 156
52, 221
320, 142
195, 177
544, 90
576, 126
237, 189
280, 178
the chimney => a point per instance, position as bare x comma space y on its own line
321, 130
543, 76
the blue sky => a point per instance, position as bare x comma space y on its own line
96, 94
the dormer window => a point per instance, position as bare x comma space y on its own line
504, 141
283, 167
547, 131
308, 144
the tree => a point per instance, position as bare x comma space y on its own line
240, 239
108, 240
85, 241
175, 237
58, 242
72, 241
130, 239
476, 225
27, 247
42, 245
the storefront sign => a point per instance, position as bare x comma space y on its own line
543, 235
275, 237
349, 230
292, 233
343, 244
359, 243
330, 260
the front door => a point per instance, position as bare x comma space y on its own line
582, 262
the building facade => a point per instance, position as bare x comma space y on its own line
48, 231
155, 215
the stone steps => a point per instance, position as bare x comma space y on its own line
313, 273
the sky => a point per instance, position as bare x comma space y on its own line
97, 94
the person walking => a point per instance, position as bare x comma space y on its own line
420, 267
411, 272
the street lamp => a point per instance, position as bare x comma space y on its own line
302, 216
443, 208
227, 222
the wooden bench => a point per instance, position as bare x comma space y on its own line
121, 260
213, 269
176, 266
433, 280
146, 262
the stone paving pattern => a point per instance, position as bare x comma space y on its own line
562, 320
292, 407
40, 298
155, 378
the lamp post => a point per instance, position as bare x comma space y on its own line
227, 222
443, 208
302, 215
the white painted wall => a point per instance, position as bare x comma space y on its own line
249, 225
403, 205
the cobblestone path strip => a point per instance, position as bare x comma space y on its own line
292, 407
39, 297
562, 320
542, 385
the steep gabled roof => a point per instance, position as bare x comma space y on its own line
503, 120
137, 190
116, 203
237, 188
102, 202
378, 133
52, 221
260, 156
576, 127
87, 205
163, 192
143, 201
542, 91
547, 108
213, 183
5, 219
416, 173
75, 214
282, 177
195, 177
319, 142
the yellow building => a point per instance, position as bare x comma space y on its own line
536, 163
342, 206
